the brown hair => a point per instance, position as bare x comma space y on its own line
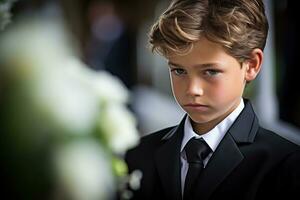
238, 25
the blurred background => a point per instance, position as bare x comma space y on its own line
106, 40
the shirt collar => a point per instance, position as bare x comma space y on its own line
214, 136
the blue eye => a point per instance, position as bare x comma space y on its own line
212, 72
178, 71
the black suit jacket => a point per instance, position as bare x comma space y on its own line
249, 163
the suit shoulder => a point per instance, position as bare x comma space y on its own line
157, 135
277, 141
142, 154
151, 140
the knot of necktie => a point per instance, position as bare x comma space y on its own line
196, 150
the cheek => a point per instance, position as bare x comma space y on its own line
218, 93
227, 89
223, 91
176, 89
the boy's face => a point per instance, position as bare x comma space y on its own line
207, 83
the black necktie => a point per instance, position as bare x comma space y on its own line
196, 151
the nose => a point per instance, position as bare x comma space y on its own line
195, 87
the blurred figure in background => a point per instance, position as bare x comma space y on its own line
109, 44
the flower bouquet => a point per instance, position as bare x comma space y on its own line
65, 127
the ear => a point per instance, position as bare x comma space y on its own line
253, 65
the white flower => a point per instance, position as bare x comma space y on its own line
135, 179
84, 171
64, 88
104, 85
64, 97
130, 182
37, 53
119, 126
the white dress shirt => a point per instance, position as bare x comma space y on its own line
212, 138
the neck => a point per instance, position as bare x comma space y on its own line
202, 128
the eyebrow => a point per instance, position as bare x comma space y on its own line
204, 65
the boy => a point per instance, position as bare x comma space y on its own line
218, 151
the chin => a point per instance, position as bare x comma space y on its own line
200, 119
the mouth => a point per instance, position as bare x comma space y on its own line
196, 107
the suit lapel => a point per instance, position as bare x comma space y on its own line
228, 155
168, 164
